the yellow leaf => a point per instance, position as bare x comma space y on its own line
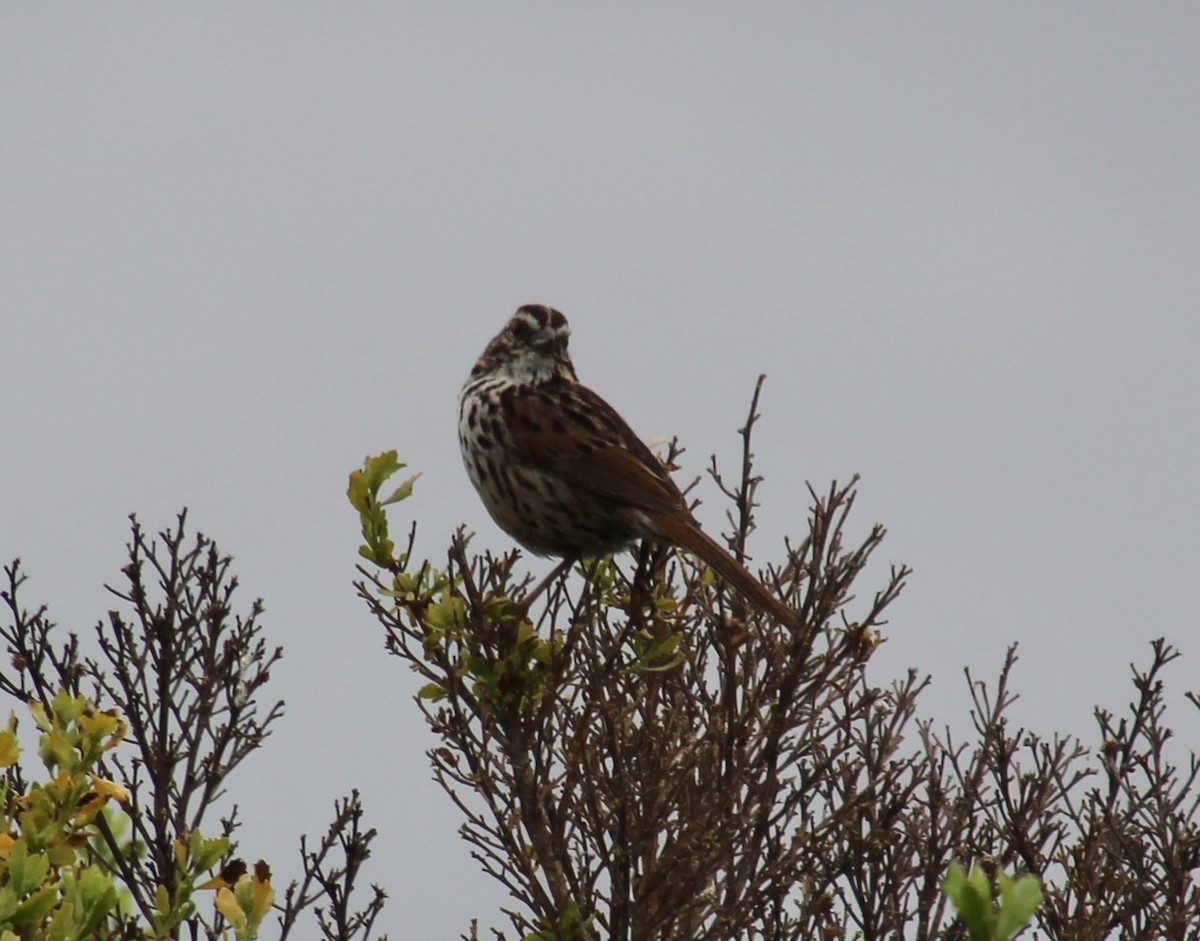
106, 788
99, 724
359, 491
38, 711
264, 893
227, 905
10, 751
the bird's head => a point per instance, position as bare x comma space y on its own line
532, 347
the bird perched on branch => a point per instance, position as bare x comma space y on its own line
561, 472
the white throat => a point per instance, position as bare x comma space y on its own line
528, 366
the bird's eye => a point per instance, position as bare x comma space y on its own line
522, 330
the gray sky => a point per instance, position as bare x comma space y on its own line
243, 246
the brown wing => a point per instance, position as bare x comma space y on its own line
566, 429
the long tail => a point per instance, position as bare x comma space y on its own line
688, 535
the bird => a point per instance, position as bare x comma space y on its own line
561, 471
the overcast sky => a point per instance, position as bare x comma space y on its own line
242, 246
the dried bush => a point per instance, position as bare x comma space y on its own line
183, 672
627, 773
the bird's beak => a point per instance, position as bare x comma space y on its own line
546, 340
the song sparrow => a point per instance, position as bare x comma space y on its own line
561, 472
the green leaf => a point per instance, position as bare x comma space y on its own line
526, 632
544, 651
663, 646
482, 669
972, 899
1019, 899
379, 468
359, 492
95, 913
36, 907
95, 885
446, 614
162, 901
67, 707
363, 494
26, 872
63, 922
501, 609
403, 492
205, 853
